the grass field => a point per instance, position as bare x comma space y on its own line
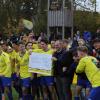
15, 94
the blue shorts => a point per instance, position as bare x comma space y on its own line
6, 81
94, 94
14, 77
83, 83
47, 80
26, 82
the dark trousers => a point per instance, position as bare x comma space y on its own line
63, 88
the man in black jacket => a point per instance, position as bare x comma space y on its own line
62, 61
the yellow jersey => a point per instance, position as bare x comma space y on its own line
12, 56
23, 63
37, 50
88, 65
49, 46
35, 46
5, 65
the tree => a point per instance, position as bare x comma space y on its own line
12, 10
87, 5
84, 20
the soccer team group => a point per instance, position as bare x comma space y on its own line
67, 63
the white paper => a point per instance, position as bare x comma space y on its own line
40, 61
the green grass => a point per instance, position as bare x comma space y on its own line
15, 94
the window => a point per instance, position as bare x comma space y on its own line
55, 4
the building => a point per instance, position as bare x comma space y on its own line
60, 20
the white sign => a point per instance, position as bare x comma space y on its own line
41, 62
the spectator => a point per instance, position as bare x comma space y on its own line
62, 62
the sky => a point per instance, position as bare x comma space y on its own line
98, 5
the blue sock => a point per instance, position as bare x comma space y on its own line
25, 97
76, 98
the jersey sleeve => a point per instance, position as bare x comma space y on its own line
8, 65
81, 66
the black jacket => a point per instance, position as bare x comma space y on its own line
64, 60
